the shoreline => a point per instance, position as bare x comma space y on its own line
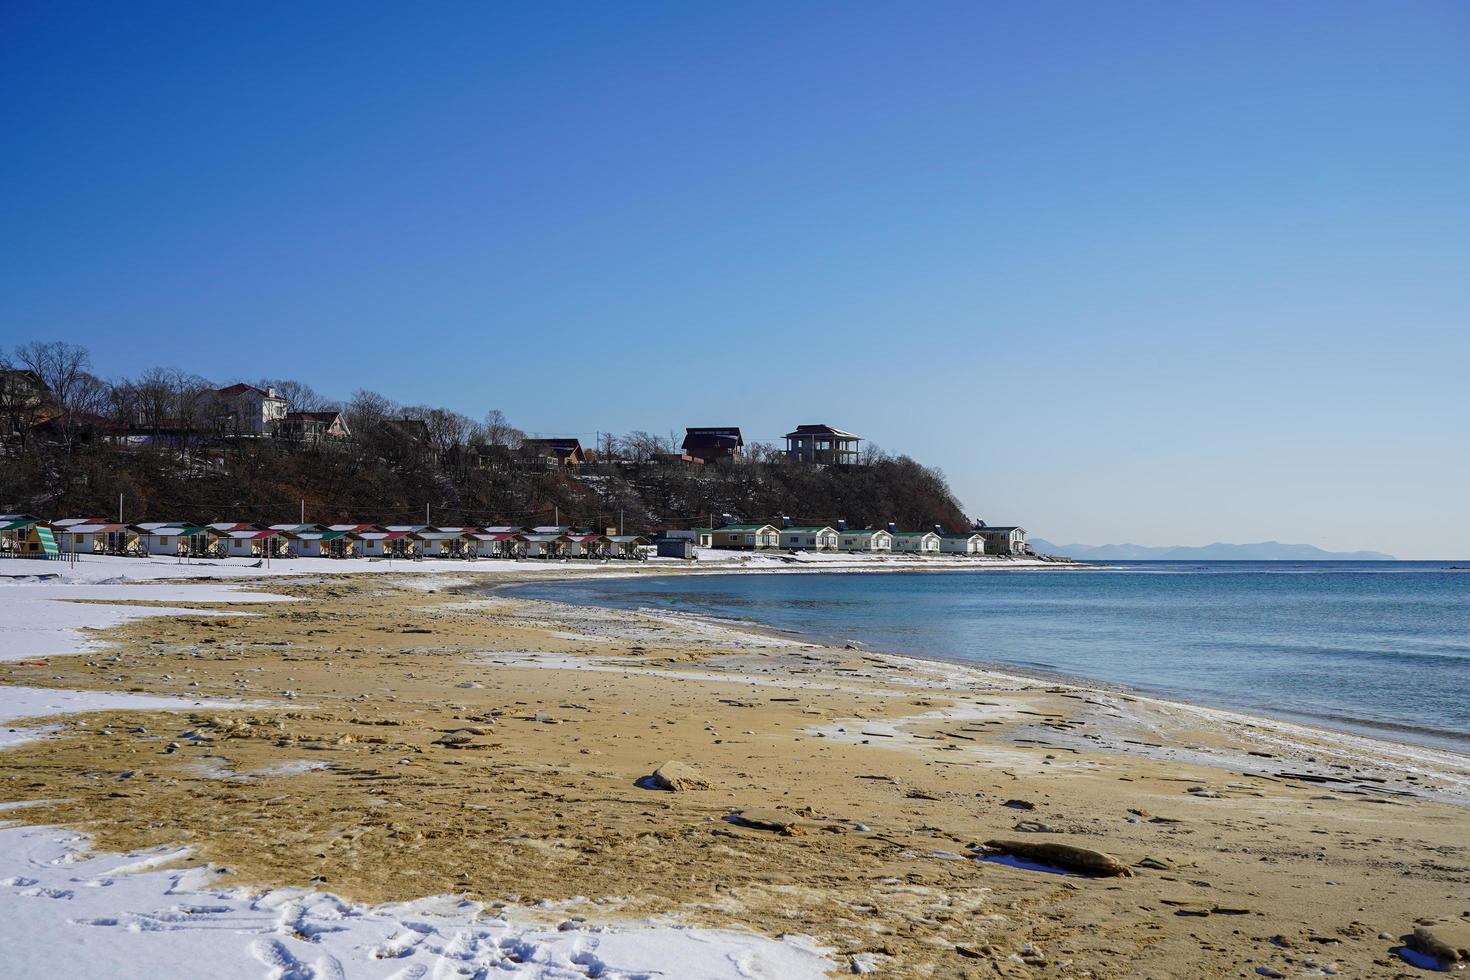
1449, 744
336, 780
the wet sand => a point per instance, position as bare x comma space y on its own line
409, 742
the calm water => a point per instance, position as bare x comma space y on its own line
1376, 647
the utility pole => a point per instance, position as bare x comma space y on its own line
426, 513
119, 508
303, 510
557, 511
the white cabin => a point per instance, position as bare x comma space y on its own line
962, 544
810, 538
916, 542
864, 539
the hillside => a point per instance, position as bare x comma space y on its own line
265, 480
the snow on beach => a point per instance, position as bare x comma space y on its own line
157, 916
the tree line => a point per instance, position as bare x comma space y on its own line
74, 442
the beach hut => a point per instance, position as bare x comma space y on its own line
586, 546
173, 539
25, 536
625, 545
383, 544
487, 544
544, 545
745, 537
440, 542
100, 538
243, 542
324, 543
811, 537
916, 542
864, 539
964, 543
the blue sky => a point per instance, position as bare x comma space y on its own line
1158, 272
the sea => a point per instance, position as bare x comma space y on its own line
1375, 648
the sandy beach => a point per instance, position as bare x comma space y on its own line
401, 737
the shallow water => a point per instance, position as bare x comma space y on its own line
1381, 648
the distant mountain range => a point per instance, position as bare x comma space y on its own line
1263, 551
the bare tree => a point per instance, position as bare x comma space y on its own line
59, 365
499, 432
22, 397
299, 395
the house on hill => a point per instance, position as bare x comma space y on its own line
245, 410
823, 445
714, 444
552, 453
314, 428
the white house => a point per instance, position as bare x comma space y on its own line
971, 543
811, 537
864, 539
383, 544
243, 409
1004, 540
916, 542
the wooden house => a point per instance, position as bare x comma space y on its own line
745, 537
552, 453
714, 444
1004, 540
823, 445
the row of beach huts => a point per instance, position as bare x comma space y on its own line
23, 535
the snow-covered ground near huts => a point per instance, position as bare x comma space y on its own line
68, 912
